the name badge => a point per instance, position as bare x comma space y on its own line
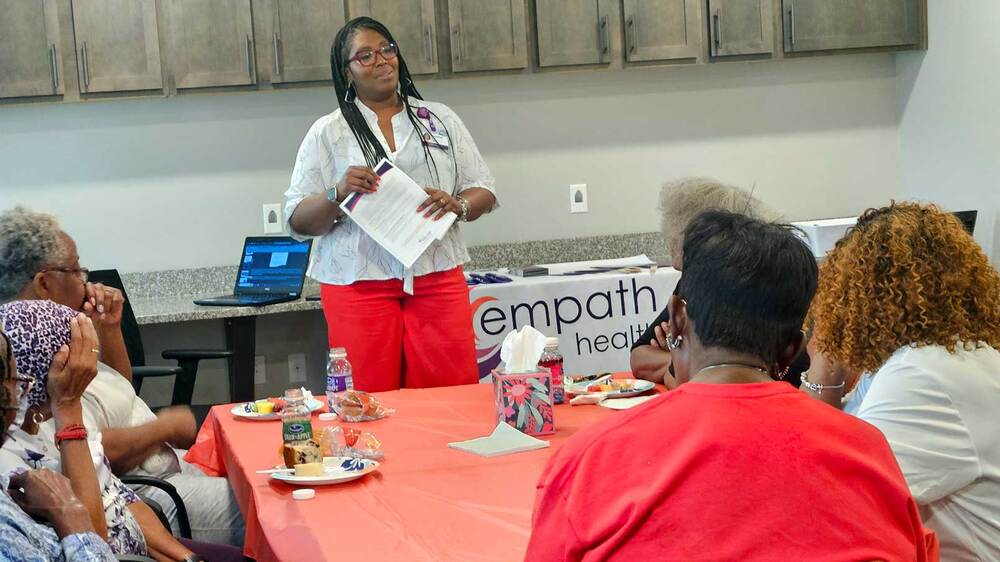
436, 140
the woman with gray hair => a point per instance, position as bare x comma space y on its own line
680, 202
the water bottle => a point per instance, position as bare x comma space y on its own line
552, 360
338, 375
296, 418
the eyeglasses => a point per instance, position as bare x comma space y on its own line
367, 58
82, 272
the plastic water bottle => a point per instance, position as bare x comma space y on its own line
296, 419
552, 360
338, 375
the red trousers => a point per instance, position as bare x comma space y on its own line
395, 340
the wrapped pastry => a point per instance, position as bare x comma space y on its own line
357, 406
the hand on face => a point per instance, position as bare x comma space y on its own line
74, 365
660, 332
103, 305
823, 370
439, 203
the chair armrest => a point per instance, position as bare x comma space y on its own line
156, 371
183, 522
196, 354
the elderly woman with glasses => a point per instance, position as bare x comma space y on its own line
43, 494
680, 202
38, 260
703, 472
401, 326
57, 348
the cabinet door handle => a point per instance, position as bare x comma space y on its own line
791, 25
246, 50
429, 43
458, 44
603, 31
630, 34
274, 48
86, 65
53, 68
717, 21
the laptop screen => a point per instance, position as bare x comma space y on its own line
274, 265
968, 219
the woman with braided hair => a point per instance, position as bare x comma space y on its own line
402, 327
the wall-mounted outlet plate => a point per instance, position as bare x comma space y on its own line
578, 198
297, 367
273, 224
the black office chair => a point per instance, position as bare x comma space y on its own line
187, 359
183, 521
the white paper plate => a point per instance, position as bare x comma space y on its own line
638, 387
338, 469
240, 411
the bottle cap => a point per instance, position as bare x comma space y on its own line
338, 352
551, 342
304, 494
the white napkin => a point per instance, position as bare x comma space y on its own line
626, 403
521, 350
503, 441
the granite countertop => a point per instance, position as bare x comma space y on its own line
162, 310
160, 297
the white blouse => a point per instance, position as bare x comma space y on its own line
346, 254
938, 410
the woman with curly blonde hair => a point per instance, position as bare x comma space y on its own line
910, 299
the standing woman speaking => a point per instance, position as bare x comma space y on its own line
402, 327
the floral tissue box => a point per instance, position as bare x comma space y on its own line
524, 401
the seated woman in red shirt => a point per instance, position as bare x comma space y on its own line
703, 472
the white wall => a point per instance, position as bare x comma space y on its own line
949, 115
155, 184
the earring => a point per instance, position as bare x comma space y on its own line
783, 373
350, 93
675, 344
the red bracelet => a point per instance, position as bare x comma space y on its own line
71, 432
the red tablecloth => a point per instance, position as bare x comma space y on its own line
426, 502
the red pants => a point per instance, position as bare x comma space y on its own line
396, 340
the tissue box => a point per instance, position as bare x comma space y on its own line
524, 401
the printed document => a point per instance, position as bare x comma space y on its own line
390, 215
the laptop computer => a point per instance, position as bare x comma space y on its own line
272, 270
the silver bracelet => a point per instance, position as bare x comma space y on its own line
816, 387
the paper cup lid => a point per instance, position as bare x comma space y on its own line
304, 494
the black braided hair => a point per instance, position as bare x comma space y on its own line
370, 146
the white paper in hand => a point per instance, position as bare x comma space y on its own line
390, 215
521, 350
504, 440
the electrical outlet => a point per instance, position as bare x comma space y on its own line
297, 367
272, 219
259, 370
578, 198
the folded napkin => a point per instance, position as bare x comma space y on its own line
626, 403
503, 441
